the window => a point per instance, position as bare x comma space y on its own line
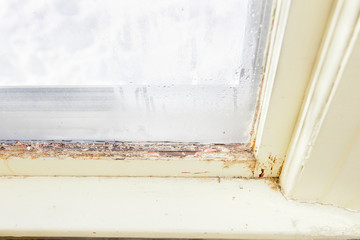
95, 76
179, 207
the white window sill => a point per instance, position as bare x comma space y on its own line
163, 207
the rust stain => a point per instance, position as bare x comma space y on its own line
271, 167
262, 173
253, 148
280, 168
272, 158
262, 86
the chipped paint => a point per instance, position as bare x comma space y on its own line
122, 151
169, 159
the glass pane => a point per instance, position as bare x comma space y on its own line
131, 70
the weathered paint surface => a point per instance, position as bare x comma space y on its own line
125, 159
271, 167
122, 151
284, 103
323, 161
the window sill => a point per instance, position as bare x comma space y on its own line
163, 207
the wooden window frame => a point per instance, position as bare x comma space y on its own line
188, 207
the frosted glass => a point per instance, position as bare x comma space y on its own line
131, 70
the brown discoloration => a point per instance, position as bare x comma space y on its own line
280, 168
195, 172
8, 167
191, 160
272, 158
262, 173
229, 154
273, 183
120, 146
105, 146
262, 91
227, 164
270, 168
253, 147
247, 163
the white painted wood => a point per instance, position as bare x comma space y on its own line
328, 173
137, 167
164, 207
305, 26
280, 16
125, 159
209, 208
328, 76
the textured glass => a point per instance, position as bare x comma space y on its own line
131, 70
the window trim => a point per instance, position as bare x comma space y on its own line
287, 74
338, 43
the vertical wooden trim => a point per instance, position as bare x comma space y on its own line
287, 73
327, 73
279, 20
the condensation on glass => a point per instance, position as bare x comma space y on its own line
131, 70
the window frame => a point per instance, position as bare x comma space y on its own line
199, 208
207, 160
278, 107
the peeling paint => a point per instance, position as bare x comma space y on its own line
230, 154
168, 159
